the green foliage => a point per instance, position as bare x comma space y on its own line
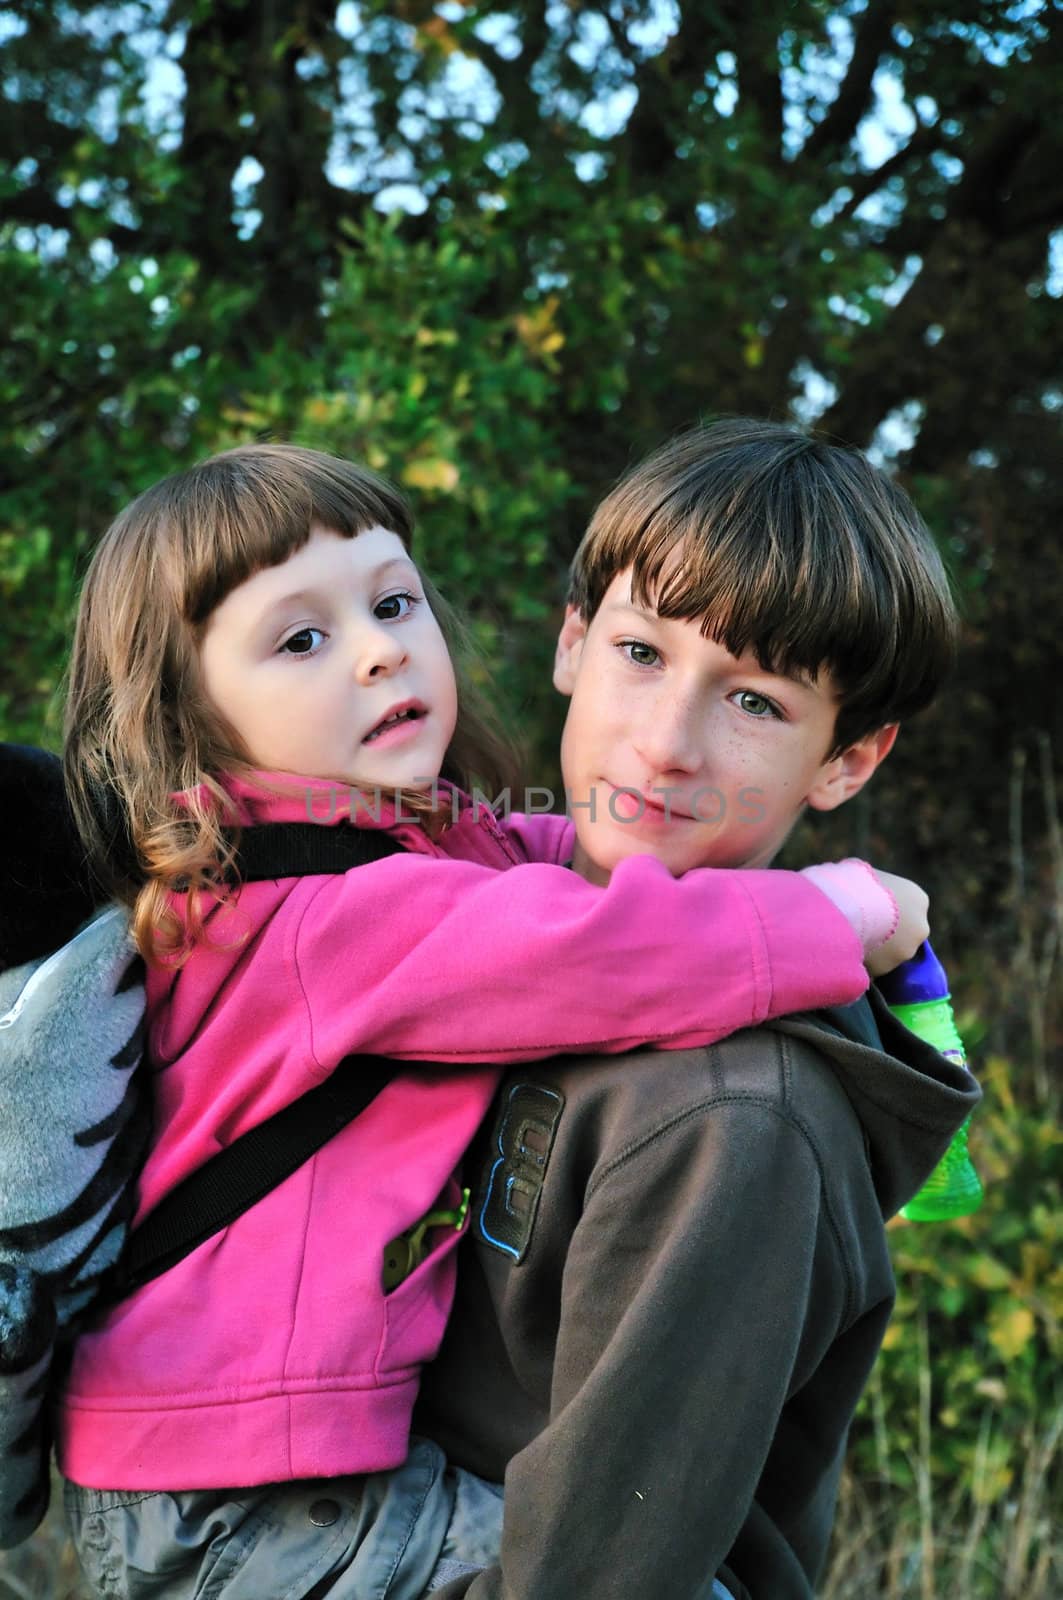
572, 282
582, 279
963, 1421
579, 282
988, 1290
458, 405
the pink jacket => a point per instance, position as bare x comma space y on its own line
272, 1352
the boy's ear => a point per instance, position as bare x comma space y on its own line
846, 774
569, 649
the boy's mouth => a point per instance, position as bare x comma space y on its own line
632, 805
405, 711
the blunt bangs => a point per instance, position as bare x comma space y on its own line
219, 522
799, 551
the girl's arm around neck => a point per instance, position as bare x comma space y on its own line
418, 956
540, 836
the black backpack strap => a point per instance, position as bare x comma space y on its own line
231, 1181
303, 849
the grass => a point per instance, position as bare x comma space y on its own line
956, 1541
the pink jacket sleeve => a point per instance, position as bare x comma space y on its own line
450, 960
540, 836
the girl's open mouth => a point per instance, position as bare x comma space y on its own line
398, 724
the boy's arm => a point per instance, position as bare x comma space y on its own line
696, 1279
417, 957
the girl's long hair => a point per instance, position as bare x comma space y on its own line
138, 727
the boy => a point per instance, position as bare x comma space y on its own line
678, 1282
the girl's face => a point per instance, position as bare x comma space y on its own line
331, 665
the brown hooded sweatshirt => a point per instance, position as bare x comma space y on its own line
675, 1289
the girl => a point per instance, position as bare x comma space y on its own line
253, 641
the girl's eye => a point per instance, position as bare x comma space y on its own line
394, 606
299, 644
756, 705
641, 653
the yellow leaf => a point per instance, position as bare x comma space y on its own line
997, 1074
428, 336
1011, 1331
1053, 1292
438, 30
988, 1273
243, 418
536, 329
417, 385
431, 472
326, 408
995, 1477
1036, 1262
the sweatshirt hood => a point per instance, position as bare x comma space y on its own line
909, 1098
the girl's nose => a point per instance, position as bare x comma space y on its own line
379, 653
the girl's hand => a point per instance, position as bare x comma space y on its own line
913, 927
888, 914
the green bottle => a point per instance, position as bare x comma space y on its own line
917, 992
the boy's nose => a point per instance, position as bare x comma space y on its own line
378, 653
672, 740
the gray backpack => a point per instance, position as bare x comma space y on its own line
74, 1132
75, 1124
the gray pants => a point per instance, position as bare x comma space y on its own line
387, 1536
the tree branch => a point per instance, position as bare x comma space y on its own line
923, 141
983, 194
855, 96
520, 112
755, 33
35, 207
212, 142
666, 84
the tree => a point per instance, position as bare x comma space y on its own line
605, 221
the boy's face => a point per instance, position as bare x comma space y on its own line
721, 756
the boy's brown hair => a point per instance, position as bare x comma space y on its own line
788, 545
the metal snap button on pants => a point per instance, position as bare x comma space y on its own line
386, 1536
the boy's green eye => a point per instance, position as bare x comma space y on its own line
755, 705
642, 654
